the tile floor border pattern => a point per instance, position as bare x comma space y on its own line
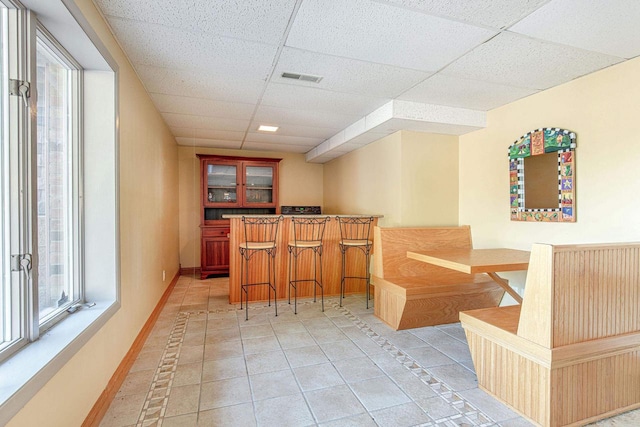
155, 405
467, 413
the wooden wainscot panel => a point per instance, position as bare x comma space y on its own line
571, 356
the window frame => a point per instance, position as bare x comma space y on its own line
75, 223
32, 366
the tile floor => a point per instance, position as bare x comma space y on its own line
204, 365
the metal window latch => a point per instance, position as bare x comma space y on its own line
20, 88
22, 262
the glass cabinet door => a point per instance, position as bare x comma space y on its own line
259, 182
222, 183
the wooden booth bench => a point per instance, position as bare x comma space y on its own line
570, 354
410, 293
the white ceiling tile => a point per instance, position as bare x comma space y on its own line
346, 75
525, 62
212, 143
201, 122
313, 118
466, 93
297, 130
160, 46
493, 13
226, 135
283, 139
265, 146
257, 20
183, 132
288, 96
200, 85
609, 27
188, 132
201, 107
376, 32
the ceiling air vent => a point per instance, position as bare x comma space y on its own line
303, 77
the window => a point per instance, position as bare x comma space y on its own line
34, 300
5, 286
58, 285
59, 232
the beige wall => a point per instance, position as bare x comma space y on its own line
409, 177
300, 183
603, 109
149, 244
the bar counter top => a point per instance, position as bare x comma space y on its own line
331, 259
332, 215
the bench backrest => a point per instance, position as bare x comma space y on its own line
578, 293
391, 246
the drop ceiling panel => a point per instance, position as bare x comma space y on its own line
593, 25
207, 134
524, 62
213, 143
382, 33
466, 93
492, 13
201, 122
296, 130
201, 107
283, 139
257, 20
346, 75
314, 118
213, 68
200, 85
160, 46
265, 146
289, 96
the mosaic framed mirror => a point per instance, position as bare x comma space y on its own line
542, 176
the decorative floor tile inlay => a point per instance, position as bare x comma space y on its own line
155, 405
467, 415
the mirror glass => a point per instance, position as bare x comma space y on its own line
541, 183
542, 176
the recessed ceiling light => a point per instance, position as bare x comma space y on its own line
265, 128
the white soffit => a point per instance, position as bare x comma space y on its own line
400, 115
594, 25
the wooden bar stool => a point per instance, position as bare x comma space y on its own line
260, 234
355, 233
307, 239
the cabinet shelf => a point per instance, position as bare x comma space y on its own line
226, 188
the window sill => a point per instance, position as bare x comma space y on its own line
26, 372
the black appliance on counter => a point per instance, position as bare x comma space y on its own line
300, 210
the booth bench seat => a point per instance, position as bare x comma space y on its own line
570, 354
410, 293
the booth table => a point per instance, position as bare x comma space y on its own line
473, 261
